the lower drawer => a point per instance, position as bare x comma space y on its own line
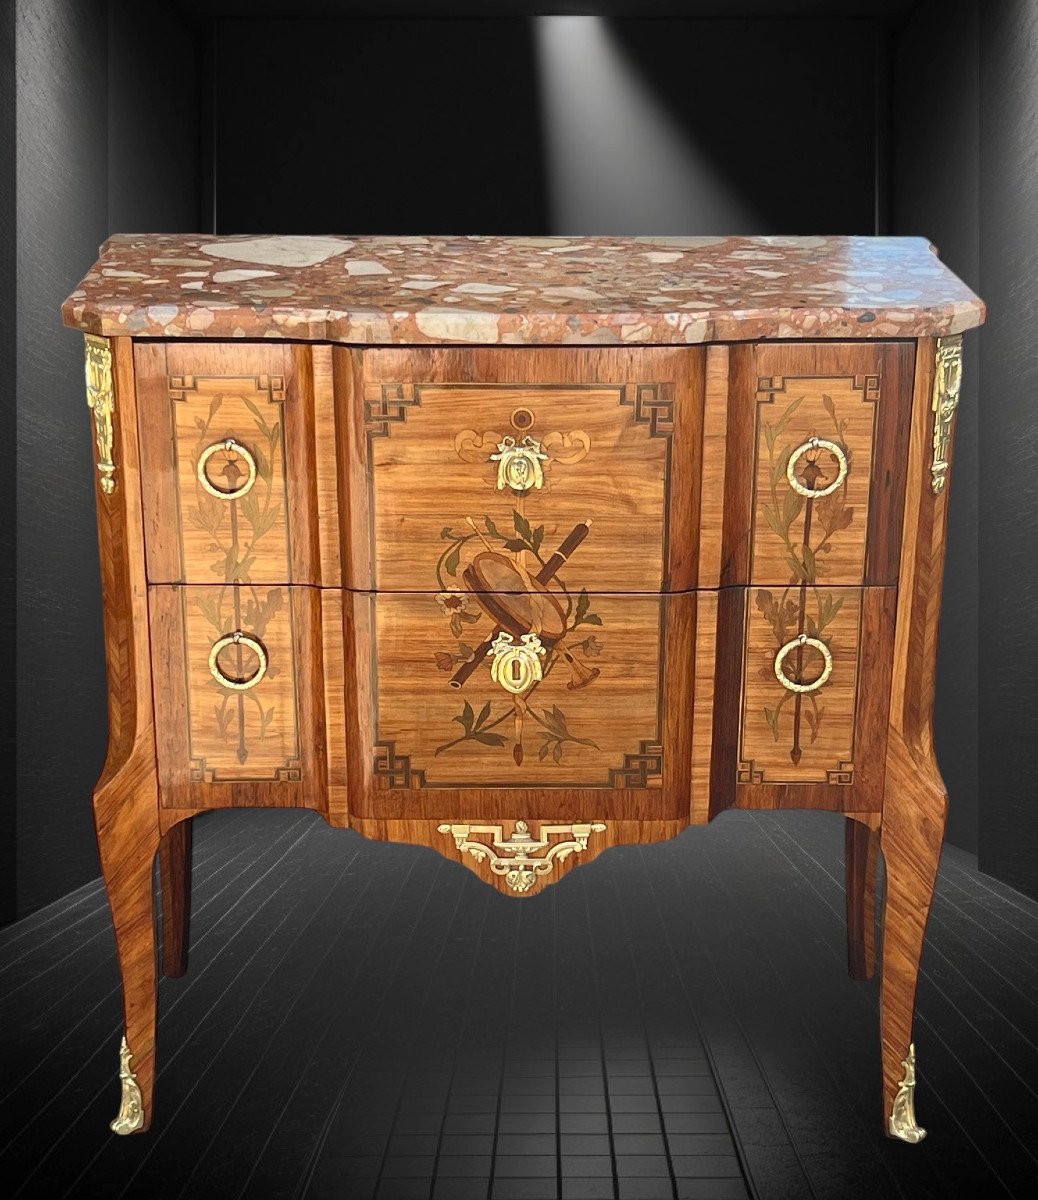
803, 697
239, 705
444, 722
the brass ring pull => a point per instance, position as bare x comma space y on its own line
237, 639
816, 444
796, 643
243, 453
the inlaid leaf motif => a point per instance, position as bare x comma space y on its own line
223, 718
257, 613
781, 616
522, 526
554, 721
805, 555
477, 728
489, 739
792, 506
263, 471
209, 609
583, 615
209, 513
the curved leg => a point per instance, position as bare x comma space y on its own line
911, 835
862, 852
126, 799
175, 874
127, 836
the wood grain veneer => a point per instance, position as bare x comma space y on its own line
622, 429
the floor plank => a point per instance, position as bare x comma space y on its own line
370, 1022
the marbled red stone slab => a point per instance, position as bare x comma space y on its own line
501, 290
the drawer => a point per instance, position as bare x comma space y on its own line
475, 704
816, 456
228, 473
803, 689
519, 447
239, 719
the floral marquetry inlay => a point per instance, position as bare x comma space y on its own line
814, 456
242, 705
814, 449
229, 439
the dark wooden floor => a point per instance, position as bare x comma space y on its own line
368, 1021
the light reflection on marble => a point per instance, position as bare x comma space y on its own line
510, 290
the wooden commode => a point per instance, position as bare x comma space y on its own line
522, 548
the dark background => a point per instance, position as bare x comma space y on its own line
900, 118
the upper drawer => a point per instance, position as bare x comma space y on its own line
227, 462
815, 462
519, 452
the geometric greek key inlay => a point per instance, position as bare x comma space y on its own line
641, 770
395, 768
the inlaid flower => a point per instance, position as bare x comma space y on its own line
454, 603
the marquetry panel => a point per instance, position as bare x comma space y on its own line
608, 439
825, 428
808, 746
433, 728
218, 744
229, 480
799, 737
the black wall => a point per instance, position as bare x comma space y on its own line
965, 172
1008, 435
107, 133
935, 174
8, 491
455, 126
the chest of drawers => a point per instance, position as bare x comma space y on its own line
521, 549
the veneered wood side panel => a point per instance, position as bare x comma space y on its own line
713, 466
428, 833
857, 396
633, 758
922, 574
326, 462
622, 431
193, 395
218, 747
335, 704
703, 704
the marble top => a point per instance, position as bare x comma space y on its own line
533, 290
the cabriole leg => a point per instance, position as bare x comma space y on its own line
911, 836
128, 845
175, 875
862, 854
